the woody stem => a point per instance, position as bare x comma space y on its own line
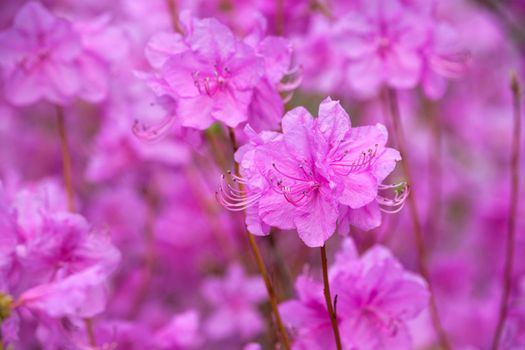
68, 180
328, 299
393, 106
260, 264
514, 196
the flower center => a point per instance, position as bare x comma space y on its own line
212, 82
296, 189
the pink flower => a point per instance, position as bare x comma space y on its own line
375, 299
381, 40
307, 316
46, 57
306, 177
398, 44
182, 332
235, 299
81, 294
58, 264
215, 76
213, 79
443, 59
38, 57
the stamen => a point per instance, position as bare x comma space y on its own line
209, 84
393, 205
294, 78
232, 198
365, 160
153, 132
287, 175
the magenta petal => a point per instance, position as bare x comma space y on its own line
162, 46
318, 223
180, 72
25, 88
64, 78
277, 55
212, 40
404, 68
365, 218
33, 19
231, 107
93, 74
297, 125
276, 211
359, 190
333, 121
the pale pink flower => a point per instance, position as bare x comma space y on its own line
234, 298
375, 299
213, 75
182, 332
45, 57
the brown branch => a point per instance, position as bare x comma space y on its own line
514, 197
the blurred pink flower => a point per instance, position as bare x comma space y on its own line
375, 299
234, 298
307, 316
81, 294
47, 57
182, 332
215, 76
58, 264
382, 39
38, 56
397, 44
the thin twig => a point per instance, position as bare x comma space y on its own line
68, 180
150, 255
328, 299
279, 17
391, 99
435, 168
174, 15
514, 197
260, 263
66, 159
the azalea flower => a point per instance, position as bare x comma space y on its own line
375, 299
45, 57
234, 299
214, 75
306, 177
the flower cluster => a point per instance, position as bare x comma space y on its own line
171, 169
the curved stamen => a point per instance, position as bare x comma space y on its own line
295, 78
154, 132
364, 161
393, 205
287, 175
232, 198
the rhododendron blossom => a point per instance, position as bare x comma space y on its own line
58, 265
216, 76
375, 299
43, 56
234, 298
396, 44
304, 177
